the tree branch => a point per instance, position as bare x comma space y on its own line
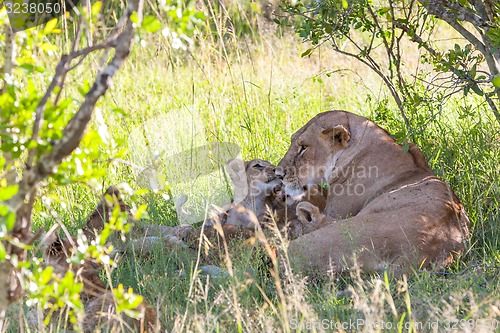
60, 73
72, 135
384, 78
10, 51
451, 11
436, 9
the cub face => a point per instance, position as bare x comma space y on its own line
251, 179
257, 180
261, 177
313, 194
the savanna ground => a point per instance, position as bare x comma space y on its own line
255, 90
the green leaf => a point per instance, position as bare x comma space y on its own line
496, 81
48, 47
8, 192
472, 72
138, 214
406, 146
46, 275
134, 301
307, 52
96, 8
151, 24
383, 10
3, 252
345, 4
475, 88
30, 68
10, 220
50, 26
134, 18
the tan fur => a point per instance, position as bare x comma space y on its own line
98, 301
260, 181
285, 209
383, 204
264, 195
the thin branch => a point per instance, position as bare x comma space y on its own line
384, 78
74, 130
76, 41
493, 107
9, 64
434, 8
416, 38
450, 11
60, 72
9, 52
388, 48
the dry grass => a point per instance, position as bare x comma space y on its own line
256, 93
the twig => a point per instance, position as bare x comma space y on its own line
76, 41
60, 73
72, 135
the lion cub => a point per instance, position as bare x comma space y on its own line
254, 184
98, 301
286, 212
288, 196
265, 192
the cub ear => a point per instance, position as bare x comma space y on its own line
338, 135
307, 212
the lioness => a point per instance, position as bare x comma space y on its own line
98, 301
384, 204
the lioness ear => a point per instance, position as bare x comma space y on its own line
307, 212
338, 135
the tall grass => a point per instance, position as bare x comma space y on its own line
255, 92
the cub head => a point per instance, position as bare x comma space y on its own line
255, 177
314, 151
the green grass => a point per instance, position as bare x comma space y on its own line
256, 95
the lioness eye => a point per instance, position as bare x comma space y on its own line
302, 148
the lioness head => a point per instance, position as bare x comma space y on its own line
313, 153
